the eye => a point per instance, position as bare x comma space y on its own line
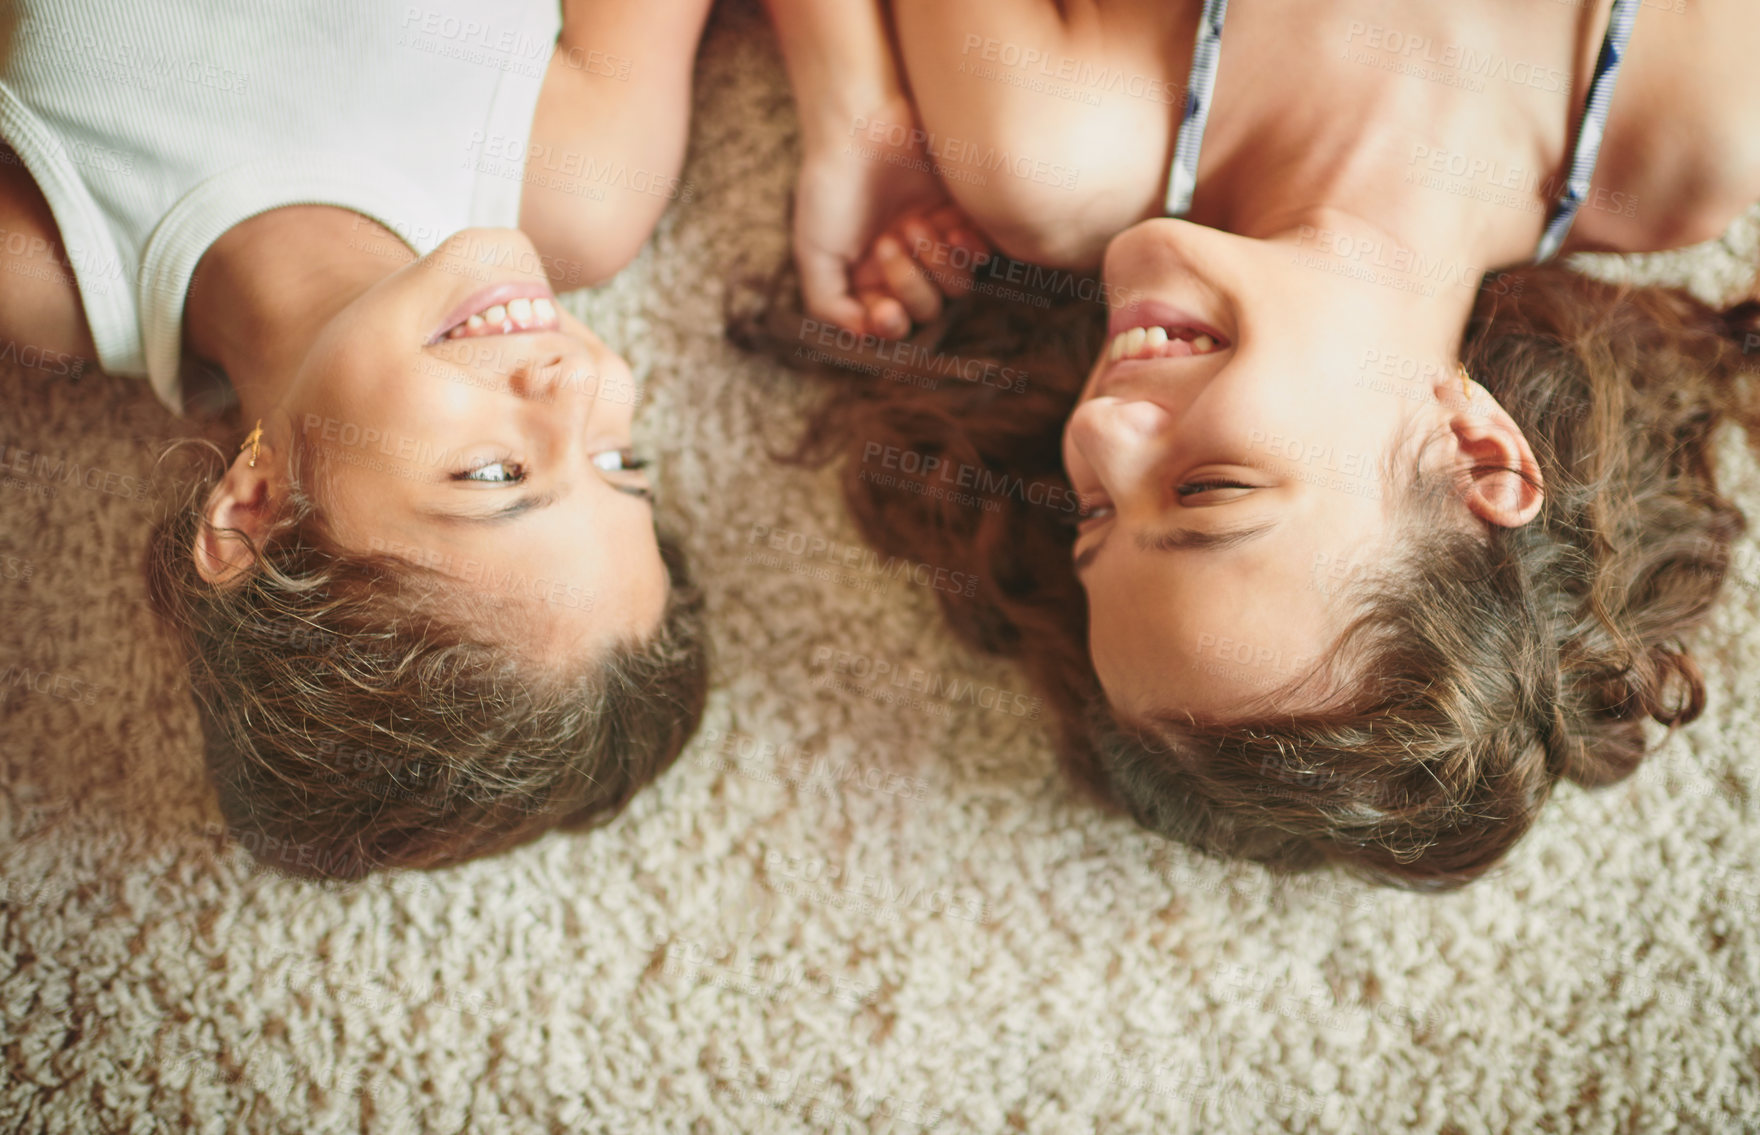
624, 472
500, 472
1213, 492
620, 461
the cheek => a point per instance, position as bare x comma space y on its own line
1132, 690
352, 507
627, 583
358, 387
1072, 459
1120, 639
651, 570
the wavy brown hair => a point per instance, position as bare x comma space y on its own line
1477, 670
355, 716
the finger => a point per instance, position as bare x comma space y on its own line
825, 290
973, 243
946, 268
915, 235
973, 250
868, 276
906, 281
946, 218
887, 317
958, 230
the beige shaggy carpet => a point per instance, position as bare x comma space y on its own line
844, 910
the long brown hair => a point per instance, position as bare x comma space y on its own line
353, 721
1477, 672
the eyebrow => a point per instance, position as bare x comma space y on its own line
1187, 540
502, 515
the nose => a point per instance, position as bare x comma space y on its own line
554, 375
575, 386
1124, 443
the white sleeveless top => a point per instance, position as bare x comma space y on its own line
154, 126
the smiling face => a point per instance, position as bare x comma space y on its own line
1241, 447
459, 418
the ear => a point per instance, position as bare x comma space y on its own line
242, 501
1504, 485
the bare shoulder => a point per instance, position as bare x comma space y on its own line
40, 311
1683, 135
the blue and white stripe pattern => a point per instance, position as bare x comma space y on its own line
1183, 180
1592, 130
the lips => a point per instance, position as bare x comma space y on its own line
1161, 342
1154, 313
1152, 330
502, 309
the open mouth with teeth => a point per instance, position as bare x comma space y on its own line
511, 317
1161, 343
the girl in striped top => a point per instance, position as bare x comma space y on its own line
1376, 529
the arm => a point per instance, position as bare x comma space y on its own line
840, 63
41, 317
609, 133
868, 201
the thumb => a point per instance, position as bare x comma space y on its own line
825, 289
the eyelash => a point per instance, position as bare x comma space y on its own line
631, 464
627, 459
1205, 486
515, 467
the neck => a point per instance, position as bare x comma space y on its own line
1420, 215
269, 285
1285, 152
1355, 214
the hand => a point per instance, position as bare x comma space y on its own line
917, 260
870, 214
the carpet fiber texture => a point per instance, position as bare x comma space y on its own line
853, 905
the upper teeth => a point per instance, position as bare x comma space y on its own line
514, 315
1158, 343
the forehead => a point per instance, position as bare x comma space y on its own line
1209, 632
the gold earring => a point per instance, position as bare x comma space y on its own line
1465, 379
254, 439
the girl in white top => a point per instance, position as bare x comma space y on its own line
1382, 530
425, 607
